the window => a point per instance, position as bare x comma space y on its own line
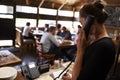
6, 42
47, 11
65, 13
7, 13
6, 16
6, 9
77, 14
43, 22
67, 24
76, 23
21, 22
26, 9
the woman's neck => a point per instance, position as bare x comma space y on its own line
98, 38
102, 36
101, 33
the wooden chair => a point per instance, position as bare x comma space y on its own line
41, 55
24, 43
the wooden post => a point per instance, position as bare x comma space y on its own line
14, 19
73, 17
37, 16
57, 17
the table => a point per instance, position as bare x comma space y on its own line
67, 43
64, 43
38, 33
48, 75
8, 59
44, 76
19, 76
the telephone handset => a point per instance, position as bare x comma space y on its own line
30, 72
89, 21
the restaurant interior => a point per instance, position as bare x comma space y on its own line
16, 52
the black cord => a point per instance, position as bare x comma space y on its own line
63, 70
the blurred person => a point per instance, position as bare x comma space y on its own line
65, 34
72, 51
58, 29
96, 55
50, 44
27, 33
46, 28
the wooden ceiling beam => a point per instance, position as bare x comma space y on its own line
41, 3
62, 4
54, 3
27, 2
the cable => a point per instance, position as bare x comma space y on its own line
63, 70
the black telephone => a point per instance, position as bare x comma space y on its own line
88, 24
30, 72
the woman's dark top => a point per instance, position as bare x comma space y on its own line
98, 59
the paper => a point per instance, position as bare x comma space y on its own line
56, 74
5, 52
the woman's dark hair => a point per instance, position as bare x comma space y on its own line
95, 9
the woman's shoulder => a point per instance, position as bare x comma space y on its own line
108, 44
104, 42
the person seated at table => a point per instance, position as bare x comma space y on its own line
66, 35
50, 44
27, 33
46, 28
71, 52
58, 29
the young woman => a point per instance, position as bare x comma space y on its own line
96, 55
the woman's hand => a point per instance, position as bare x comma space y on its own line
81, 41
66, 76
81, 46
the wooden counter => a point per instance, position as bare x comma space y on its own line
8, 59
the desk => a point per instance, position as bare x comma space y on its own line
65, 43
19, 76
8, 59
45, 76
38, 33
68, 44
